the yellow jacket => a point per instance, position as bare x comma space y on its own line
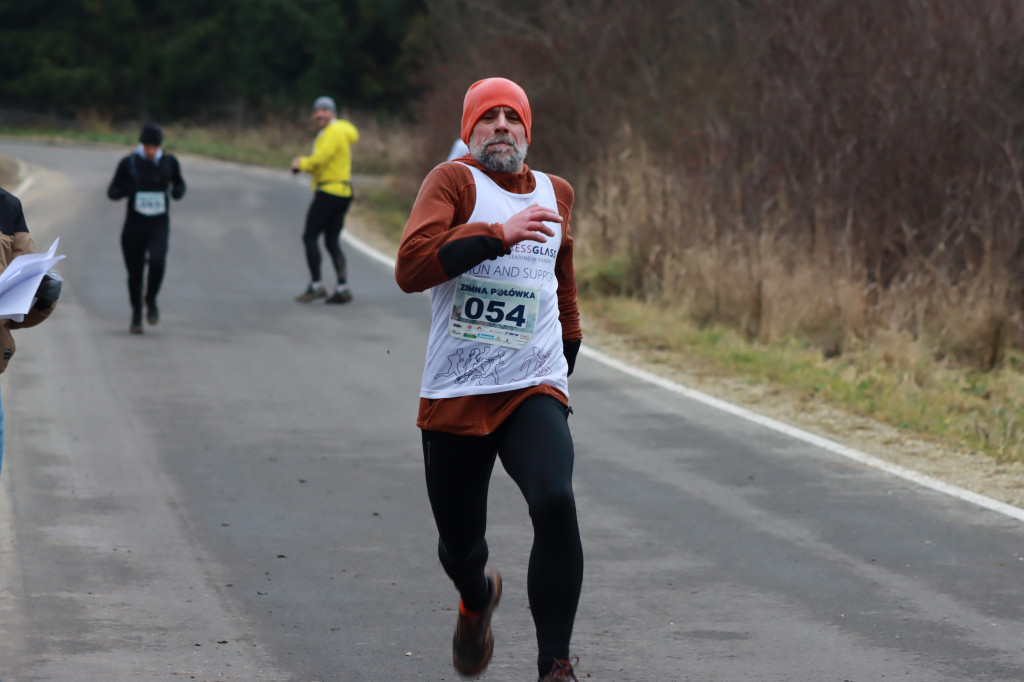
331, 160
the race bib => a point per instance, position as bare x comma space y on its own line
489, 311
151, 203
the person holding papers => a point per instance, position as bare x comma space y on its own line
15, 241
148, 178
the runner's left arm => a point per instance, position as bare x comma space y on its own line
565, 274
122, 184
177, 182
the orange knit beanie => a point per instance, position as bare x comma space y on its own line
489, 93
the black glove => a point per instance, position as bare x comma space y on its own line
570, 349
48, 291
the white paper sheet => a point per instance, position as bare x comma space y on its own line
20, 280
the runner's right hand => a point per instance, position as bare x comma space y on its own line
528, 225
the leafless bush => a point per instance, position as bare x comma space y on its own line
587, 66
900, 122
818, 167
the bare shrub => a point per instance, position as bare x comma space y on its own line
829, 169
386, 147
91, 119
896, 115
587, 65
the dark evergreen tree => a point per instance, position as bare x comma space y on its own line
191, 58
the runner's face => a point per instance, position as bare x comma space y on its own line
498, 140
322, 117
150, 150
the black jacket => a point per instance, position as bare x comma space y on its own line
14, 241
135, 173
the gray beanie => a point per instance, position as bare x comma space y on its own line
327, 103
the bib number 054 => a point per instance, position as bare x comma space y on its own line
494, 312
489, 311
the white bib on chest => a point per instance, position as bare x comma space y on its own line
151, 203
495, 328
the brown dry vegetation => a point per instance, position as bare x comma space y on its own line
821, 167
842, 175
8, 173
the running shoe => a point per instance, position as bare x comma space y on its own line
340, 297
136, 327
474, 642
562, 671
311, 293
152, 314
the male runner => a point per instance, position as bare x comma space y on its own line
490, 239
145, 176
331, 167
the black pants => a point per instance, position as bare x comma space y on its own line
536, 449
326, 216
142, 241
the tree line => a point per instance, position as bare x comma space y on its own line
200, 59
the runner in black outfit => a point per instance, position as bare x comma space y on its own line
145, 176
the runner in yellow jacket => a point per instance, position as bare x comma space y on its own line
330, 164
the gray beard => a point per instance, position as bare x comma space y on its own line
499, 162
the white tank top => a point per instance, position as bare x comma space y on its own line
496, 328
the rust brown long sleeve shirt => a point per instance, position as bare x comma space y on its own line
439, 244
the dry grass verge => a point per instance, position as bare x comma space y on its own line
810, 410
661, 258
8, 173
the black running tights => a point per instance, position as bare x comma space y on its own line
536, 450
326, 216
144, 242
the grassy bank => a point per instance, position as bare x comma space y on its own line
252, 147
893, 379
274, 144
380, 151
666, 269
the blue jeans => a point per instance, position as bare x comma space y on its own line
1, 434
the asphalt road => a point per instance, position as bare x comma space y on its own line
237, 494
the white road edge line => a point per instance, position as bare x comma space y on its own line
780, 427
808, 437
368, 250
26, 179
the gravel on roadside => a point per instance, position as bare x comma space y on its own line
8, 173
